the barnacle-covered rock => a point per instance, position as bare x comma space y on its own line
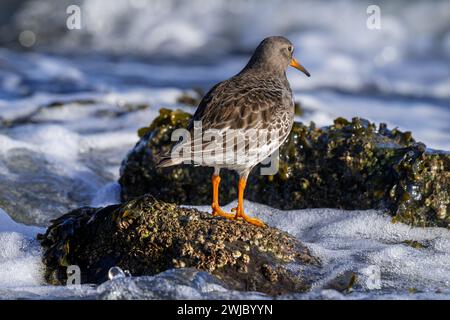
146, 236
348, 165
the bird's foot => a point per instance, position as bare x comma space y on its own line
241, 214
217, 211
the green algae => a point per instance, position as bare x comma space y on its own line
415, 244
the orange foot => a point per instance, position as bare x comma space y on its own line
240, 214
217, 211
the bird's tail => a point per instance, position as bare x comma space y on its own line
164, 160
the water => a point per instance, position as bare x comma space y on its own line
70, 108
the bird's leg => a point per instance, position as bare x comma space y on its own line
216, 210
239, 210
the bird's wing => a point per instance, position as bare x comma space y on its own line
240, 104
237, 104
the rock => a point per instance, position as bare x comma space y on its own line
146, 236
343, 282
348, 165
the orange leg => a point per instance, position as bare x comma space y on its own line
240, 208
216, 210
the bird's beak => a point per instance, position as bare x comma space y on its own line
298, 66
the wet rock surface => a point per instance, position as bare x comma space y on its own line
349, 165
146, 236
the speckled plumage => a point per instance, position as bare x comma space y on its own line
258, 97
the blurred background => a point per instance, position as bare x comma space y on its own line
185, 44
72, 100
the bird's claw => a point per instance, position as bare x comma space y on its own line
217, 211
236, 215
241, 214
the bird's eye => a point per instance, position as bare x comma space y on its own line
290, 49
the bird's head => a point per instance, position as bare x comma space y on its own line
276, 54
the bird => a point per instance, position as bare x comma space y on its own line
259, 97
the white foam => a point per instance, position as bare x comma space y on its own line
107, 195
9, 225
20, 259
354, 240
55, 141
